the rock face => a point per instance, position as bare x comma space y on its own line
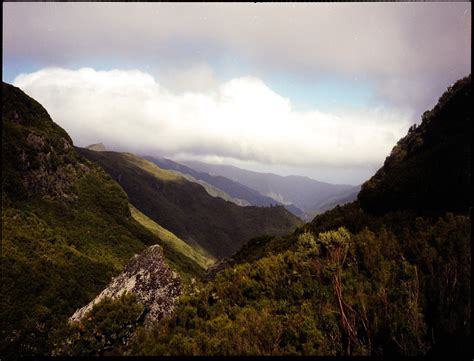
147, 276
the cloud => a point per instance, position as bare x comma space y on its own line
194, 78
398, 45
241, 119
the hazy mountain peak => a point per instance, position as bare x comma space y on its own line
98, 147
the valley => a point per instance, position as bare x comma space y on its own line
199, 259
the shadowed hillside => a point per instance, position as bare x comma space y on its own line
230, 187
389, 277
66, 227
186, 209
429, 169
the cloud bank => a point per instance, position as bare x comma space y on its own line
241, 119
412, 51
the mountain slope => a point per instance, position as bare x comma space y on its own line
99, 147
305, 193
385, 280
339, 200
429, 169
66, 226
186, 209
234, 189
188, 260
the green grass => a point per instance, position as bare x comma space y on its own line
187, 210
176, 250
152, 168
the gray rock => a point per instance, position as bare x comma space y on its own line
147, 276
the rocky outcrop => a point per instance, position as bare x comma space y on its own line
50, 169
146, 275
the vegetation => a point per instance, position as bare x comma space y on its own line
337, 293
187, 210
190, 262
380, 277
66, 227
428, 170
102, 331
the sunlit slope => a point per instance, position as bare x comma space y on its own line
187, 210
183, 257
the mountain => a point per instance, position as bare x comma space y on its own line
186, 209
191, 175
387, 275
429, 169
189, 261
228, 186
66, 227
99, 147
339, 200
304, 193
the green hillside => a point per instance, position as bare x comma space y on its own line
429, 169
187, 260
387, 279
66, 227
187, 210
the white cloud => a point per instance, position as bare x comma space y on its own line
194, 78
241, 119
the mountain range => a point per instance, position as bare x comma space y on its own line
305, 193
233, 189
186, 209
385, 275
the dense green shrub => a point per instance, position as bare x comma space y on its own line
107, 326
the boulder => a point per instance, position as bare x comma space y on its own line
146, 275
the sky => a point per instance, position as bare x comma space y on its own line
317, 89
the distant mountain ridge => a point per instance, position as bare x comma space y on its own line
303, 192
99, 147
186, 209
232, 188
385, 276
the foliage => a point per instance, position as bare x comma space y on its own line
429, 169
188, 261
105, 328
187, 210
335, 294
66, 227
388, 275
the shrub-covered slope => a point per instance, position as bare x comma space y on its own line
186, 209
66, 227
353, 281
189, 261
429, 169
